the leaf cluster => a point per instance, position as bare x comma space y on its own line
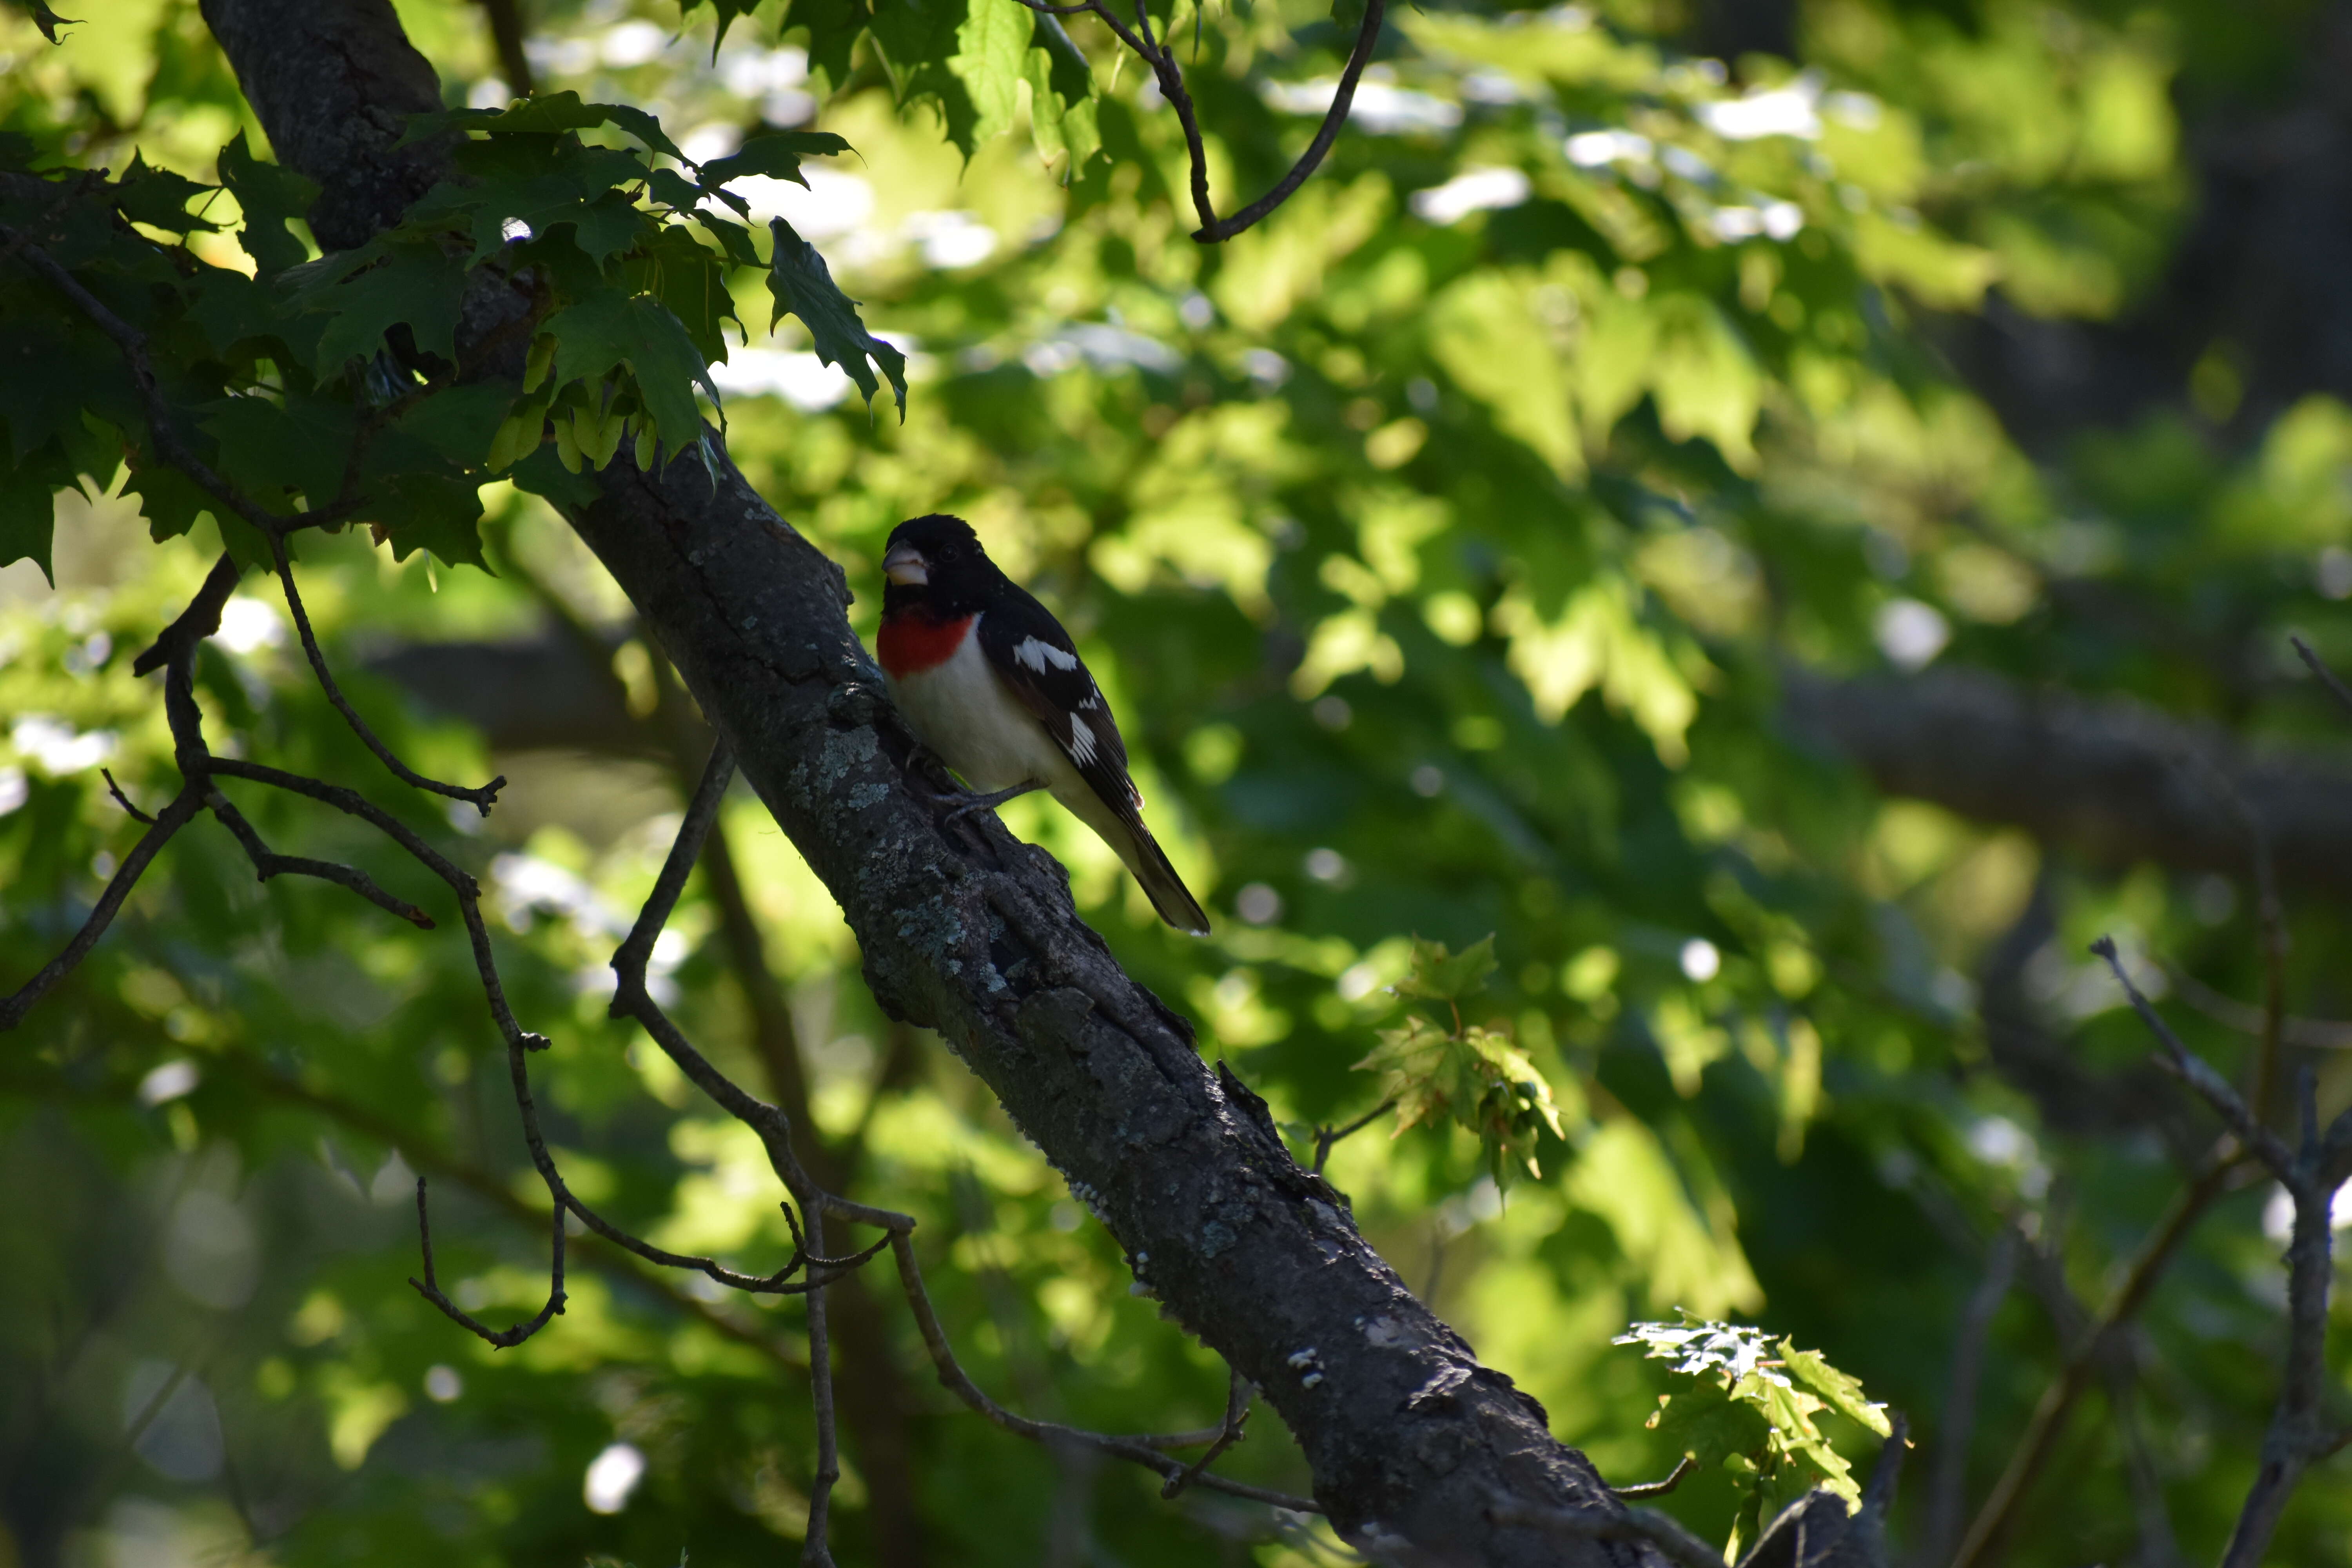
335, 389
1749, 1410
1470, 1074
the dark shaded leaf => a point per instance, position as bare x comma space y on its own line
608, 330
28, 509
418, 286
802, 286
458, 422
777, 155
158, 199
543, 474
271, 196
428, 512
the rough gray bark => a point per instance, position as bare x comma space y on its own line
1410, 1440
293, 56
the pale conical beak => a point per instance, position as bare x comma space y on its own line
905, 567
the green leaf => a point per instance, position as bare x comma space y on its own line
268, 450
683, 275
1439, 975
834, 28
417, 285
158, 199
990, 46
1062, 116
1840, 1391
168, 498
28, 509
607, 330
802, 286
429, 512
271, 196
459, 421
544, 185
549, 113
1349, 16
1712, 1427
777, 154
542, 474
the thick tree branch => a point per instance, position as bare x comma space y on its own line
2112, 782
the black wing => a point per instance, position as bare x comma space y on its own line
1032, 655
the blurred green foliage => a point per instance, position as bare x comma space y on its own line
1440, 540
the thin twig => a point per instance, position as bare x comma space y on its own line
2328, 677
2199, 1074
481, 799
1238, 1395
1162, 60
182, 810
2048, 1421
816, 1547
123, 800
952, 1375
269, 863
499, 1339
1675, 1478
1327, 1136
2304, 1034
132, 344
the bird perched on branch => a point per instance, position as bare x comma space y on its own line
989, 680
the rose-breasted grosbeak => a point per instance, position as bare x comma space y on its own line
987, 678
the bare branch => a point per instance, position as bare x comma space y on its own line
1160, 57
123, 800
816, 1548
2199, 1074
506, 31
2304, 1034
2048, 1423
481, 799
2300, 1434
1675, 1478
502, 1339
957, 1382
1327, 1136
1238, 1395
177, 815
1947, 1481
200, 620
268, 864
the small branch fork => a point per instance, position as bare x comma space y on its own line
2301, 1434
1159, 53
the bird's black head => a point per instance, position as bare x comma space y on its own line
937, 561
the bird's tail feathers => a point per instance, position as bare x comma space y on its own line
1163, 887
1140, 853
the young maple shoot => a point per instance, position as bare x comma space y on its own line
1748, 1411
1470, 1075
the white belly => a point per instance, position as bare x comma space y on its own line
960, 710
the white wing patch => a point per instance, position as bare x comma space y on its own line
1082, 740
1038, 654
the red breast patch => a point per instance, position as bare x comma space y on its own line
912, 642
